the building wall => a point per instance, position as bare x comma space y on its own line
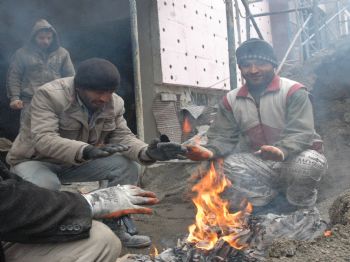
160, 27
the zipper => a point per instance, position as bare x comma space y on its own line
260, 122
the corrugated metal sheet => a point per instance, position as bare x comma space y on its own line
166, 119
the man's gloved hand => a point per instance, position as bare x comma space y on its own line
92, 152
118, 201
163, 151
198, 153
270, 153
16, 104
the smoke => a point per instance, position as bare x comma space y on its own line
331, 91
86, 28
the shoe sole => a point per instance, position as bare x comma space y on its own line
147, 244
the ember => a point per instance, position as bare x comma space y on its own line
214, 222
327, 233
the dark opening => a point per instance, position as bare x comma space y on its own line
87, 28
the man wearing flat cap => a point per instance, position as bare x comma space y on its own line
265, 132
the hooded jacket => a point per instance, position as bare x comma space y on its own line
56, 128
31, 67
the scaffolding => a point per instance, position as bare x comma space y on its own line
314, 26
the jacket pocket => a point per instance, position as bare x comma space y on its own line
70, 129
109, 125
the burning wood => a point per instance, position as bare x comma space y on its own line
218, 235
214, 222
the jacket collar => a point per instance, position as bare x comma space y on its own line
75, 110
272, 87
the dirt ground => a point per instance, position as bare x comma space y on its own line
328, 78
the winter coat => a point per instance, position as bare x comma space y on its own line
31, 67
31, 214
282, 118
56, 127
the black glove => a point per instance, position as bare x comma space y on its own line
163, 151
92, 152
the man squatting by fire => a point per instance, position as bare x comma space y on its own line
265, 132
75, 131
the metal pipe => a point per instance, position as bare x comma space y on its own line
282, 12
292, 43
231, 44
137, 70
249, 14
238, 25
324, 25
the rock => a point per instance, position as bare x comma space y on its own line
339, 212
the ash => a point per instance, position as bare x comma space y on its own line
188, 253
258, 236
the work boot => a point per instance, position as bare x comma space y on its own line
128, 240
133, 241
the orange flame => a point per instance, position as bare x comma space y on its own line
154, 252
327, 233
186, 126
213, 220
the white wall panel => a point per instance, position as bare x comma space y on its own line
193, 43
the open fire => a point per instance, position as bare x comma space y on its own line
214, 222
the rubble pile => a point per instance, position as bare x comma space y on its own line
334, 247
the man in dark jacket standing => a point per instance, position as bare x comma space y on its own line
39, 225
265, 132
40, 61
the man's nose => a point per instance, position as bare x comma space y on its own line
253, 68
105, 97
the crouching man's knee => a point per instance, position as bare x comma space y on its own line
104, 242
303, 174
101, 246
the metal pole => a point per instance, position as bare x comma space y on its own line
137, 71
315, 24
292, 44
281, 12
324, 25
238, 25
231, 43
249, 14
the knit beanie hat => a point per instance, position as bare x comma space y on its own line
255, 48
97, 74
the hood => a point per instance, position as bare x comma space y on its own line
43, 24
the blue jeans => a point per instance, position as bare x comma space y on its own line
116, 169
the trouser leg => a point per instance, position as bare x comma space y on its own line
252, 179
302, 175
101, 246
116, 168
24, 112
42, 174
